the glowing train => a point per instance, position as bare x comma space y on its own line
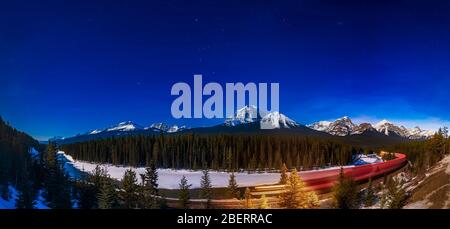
322, 180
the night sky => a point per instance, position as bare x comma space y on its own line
70, 67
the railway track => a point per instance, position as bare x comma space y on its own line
320, 181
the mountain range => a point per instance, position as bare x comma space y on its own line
248, 120
345, 127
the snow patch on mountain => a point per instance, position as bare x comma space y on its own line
276, 120
417, 133
344, 127
341, 127
320, 126
95, 131
125, 126
247, 114
389, 128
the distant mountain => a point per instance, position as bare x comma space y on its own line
251, 114
127, 128
166, 128
247, 120
345, 127
247, 114
276, 120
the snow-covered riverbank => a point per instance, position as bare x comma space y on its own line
169, 178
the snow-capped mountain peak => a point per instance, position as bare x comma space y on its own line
159, 126
176, 128
276, 120
341, 127
96, 131
363, 127
166, 128
247, 114
388, 128
320, 126
125, 126
417, 133
344, 126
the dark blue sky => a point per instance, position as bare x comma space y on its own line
67, 67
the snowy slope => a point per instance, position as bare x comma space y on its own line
389, 128
246, 114
125, 126
276, 120
341, 127
344, 127
320, 126
11, 202
169, 178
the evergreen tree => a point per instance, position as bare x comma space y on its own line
150, 187
86, 197
184, 196
4, 184
233, 189
313, 200
263, 204
370, 195
295, 195
284, 175
5, 193
129, 189
248, 204
26, 198
394, 197
63, 198
345, 192
107, 197
57, 186
206, 188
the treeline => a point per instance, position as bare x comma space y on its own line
424, 154
17, 169
217, 152
32, 174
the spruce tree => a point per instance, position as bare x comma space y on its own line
345, 193
129, 189
284, 176
295, 195
233, 189
26, 198
248, 204
86, 197
63, 197
206, 188
184, 196
150, 187
370, 196
394, 196
107, 197
263, 203
57, 186
313, 200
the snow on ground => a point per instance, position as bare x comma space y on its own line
170, 178
11, 203
40, 201
362, 159
33, 152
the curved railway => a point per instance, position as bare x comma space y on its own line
320, 181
